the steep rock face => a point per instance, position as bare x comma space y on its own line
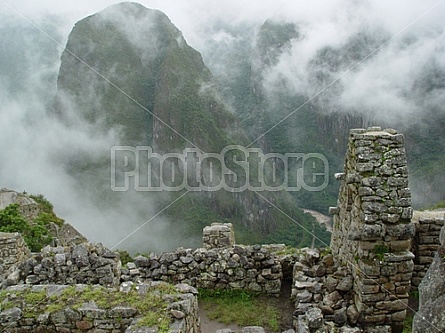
321, 119
130, 67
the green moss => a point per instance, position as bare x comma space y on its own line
325, 251
288, 250
34, 298
380, 250
151, 307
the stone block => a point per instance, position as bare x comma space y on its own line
314, 317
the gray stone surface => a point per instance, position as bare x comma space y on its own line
372, 227
431, 314
218, 235
91, 318
314, 318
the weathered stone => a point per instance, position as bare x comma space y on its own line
80, 255
301, 308
304, 297
90, 310
224, 330
345, 329
352, 314
314, 318
253, 329
131, 265
122, 312
340, 316
10, 315
430, 316
59, 259
396, 305
326, 309
185, 288
331, 283
138, 329
371, 232
345, 284
399, 316
304, 284
332, 298
84, 324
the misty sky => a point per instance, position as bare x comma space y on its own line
414, 31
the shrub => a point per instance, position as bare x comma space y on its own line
35, 233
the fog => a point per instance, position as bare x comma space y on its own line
408, 40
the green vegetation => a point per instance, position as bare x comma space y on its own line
47, 214
408, 324
438, 205
174, 83
239, 307
380, 251
125, 257
35, 233
151, 306
293, 228
288, 250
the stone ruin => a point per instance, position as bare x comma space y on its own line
12, 250
425, 243
431, 318
218, 236
372, 228
378, 254
27, 205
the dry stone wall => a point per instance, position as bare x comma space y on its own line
218, 235
253, 268
426, 242
28, 316
430, 318
12, 250
81, 264
378, 254
27, 205
372, 229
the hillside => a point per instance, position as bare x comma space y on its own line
128, 71
271, 78
33, 216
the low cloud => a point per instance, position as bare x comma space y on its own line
35, 147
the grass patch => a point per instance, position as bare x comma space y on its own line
438, 205
408, 324
239, 307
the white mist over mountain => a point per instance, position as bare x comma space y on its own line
411, 37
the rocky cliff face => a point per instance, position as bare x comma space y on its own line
281, 76
128, 69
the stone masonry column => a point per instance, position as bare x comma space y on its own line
372, 229
218, 235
